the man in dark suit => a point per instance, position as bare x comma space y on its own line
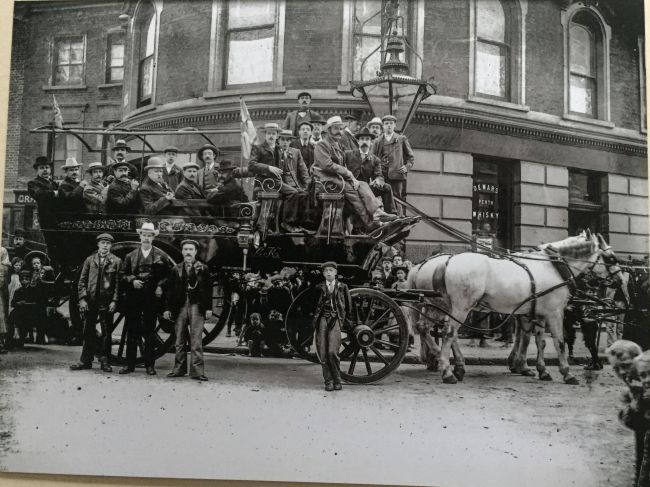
366, 167
188, 189
396, 154
70, 191
304, 113
172, 175
208, 176
295, 175
144, 273
45, 192
348, 136
189, 302
155, 194
228, 190
304, 144
122, 194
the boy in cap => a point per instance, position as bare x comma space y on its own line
189, 303
99, 289
304, 113
94, 192
333, 311
172, 175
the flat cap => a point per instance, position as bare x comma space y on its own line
329, 263
190, 242
105, 236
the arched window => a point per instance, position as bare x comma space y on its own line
144, 51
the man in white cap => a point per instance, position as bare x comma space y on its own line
94, 192
122, 194
144, 273
172, 175
375, 126
70, 191
188, 189
155, 194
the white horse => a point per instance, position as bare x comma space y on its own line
475, 281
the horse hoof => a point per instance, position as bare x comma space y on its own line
545, 376
450, 379
459, 373
571, 380
529, 373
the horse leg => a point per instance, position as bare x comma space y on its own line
451, 334
541, 344
555, 324
429, 351
521, 363
515, 346
459, 360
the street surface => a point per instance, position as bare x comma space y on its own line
270, 419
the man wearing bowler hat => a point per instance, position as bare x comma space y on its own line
189, 303
118, 154
45, 192
122, 194
348, 136
375, 126
144, 274
155, 195
70, 189
172, 175
317, 128
208, 176
94, 192
188, 189
98, 288
304, 113
228, 190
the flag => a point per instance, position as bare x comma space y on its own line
58, 118
248, 131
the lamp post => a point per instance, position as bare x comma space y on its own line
394, 90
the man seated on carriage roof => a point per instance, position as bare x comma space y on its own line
266, 162
155, 195
172, 175
228, 190
122, 194
71, 188
95, 192
188, 189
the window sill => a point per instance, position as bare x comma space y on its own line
498, 103
109, 85
587, 120
64, 88
258, 90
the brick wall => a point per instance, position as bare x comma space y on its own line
624, 80
440, 185
541, 200
626, 214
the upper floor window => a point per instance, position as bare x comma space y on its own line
115, 58
69, 60
144, 52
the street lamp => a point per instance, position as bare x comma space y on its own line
394, 91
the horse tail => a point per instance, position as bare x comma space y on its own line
438, 275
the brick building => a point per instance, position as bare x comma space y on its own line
537, 130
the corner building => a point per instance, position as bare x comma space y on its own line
538, 128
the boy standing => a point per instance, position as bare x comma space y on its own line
333, 310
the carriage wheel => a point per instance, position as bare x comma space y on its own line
372, 347
221, 313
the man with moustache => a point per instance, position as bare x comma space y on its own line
266, 161
375, 126
172, 175
296, 176
98, 288
304, 113
144, 274
155, 195
119, 152
304, 144
94, 192
208, 176
45, 192
188, 189
189, 303
228, 190
122, 194
366, 167
348, 140
70, 189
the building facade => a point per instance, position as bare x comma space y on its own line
537, 130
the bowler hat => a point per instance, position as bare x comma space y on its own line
375, 121
305, 122
170, 148
226, 165
389, 117
286, 134
304, 93
190, 164
336, 120
121, 144
364, 132
95, 165
105, 236
154, 163
191, 242
41, 161
329, 263
147, 227
117, 164
70, 162
316, 118
199, 153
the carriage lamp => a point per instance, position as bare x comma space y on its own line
394, 91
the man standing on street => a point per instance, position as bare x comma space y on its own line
98, 292
396, 155
189, 302
304, 113
144, 273
172, 175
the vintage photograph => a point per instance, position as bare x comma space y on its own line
393, 242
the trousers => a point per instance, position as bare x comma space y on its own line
141, 324
386, 194
362, 201
294, 205
328, 342
189, 317
90, 335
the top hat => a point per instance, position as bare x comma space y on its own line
329, 263
121, 144
70, 162
304, 93
170, 148
336, 120
105, 236
270, 126
375, 121
226, 165
154, 163
190, 241
199, 153
190, 164
316, 118
42, 161
95, 165
365, 132
287, 134
389, 117
147, 227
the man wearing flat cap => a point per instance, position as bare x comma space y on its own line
188, 189
348, 136
98, 289
333, 311
45, 192
155, 195
189, 303
122, 194
94, 193
296, 117
172, 175
208, 177
304, 144
70, 189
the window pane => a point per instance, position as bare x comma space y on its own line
250, 56
76, 74
62, 75
365, 20
63, 52
491, 62
117, 74
146, 78
490, 20
363, 46
117, 55
250, 13
77, 52
581, 50
151, 37
582, 96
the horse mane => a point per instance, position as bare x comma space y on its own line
574, 247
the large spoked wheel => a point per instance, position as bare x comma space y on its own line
372, 345
222, 312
